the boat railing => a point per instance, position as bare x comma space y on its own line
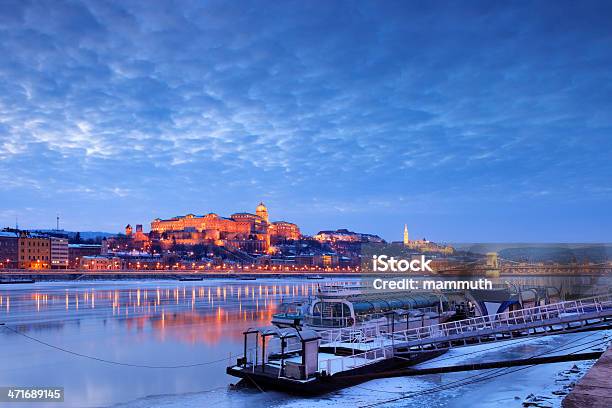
507, 319
328, 322
354, 335
340, 364
331, 322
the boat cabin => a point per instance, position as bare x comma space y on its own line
281, 352
333, 311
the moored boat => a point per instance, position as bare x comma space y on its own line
290, 314
190, 278
16, 281
295, 361
357, 308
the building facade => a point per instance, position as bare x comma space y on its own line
59, 253
423, 245
344, 235
34, 251
77, 251
100, 263
9, 250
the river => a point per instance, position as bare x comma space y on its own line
130, 324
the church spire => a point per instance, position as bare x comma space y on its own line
406, 240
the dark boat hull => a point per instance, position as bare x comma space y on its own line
16, 282
327, 383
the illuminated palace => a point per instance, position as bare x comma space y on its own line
249, 232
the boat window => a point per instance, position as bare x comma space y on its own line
331, 309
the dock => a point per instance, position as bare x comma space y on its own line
595, 388
594, 313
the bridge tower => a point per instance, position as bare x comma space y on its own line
492, 265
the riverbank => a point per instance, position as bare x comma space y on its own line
595, 388
70, 275
76, 274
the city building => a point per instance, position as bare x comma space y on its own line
423, 245
34, 251
9, 249
77, 251
100, 263
132, 241
59, 253
344, 235
281, 231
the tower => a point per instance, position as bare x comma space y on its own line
262, 211
406, 240
128, 230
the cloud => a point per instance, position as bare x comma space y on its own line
202, 103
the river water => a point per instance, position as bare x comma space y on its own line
170, 323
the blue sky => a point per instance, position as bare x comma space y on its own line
469, 121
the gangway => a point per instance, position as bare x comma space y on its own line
549, 319
555, 318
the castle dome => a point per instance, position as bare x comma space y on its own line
262, 211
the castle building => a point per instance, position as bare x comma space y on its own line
246, 231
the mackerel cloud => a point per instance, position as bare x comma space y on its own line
311, 104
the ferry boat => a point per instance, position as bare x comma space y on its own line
341, 306
297, 362
402, 310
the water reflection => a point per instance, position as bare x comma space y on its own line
202, 312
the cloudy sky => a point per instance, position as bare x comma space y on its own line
468, 121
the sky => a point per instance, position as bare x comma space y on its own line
468, 121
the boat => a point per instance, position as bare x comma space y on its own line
16, 281
355, 308
249, 278
312, 277
291, 313
190, 278
296, 361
